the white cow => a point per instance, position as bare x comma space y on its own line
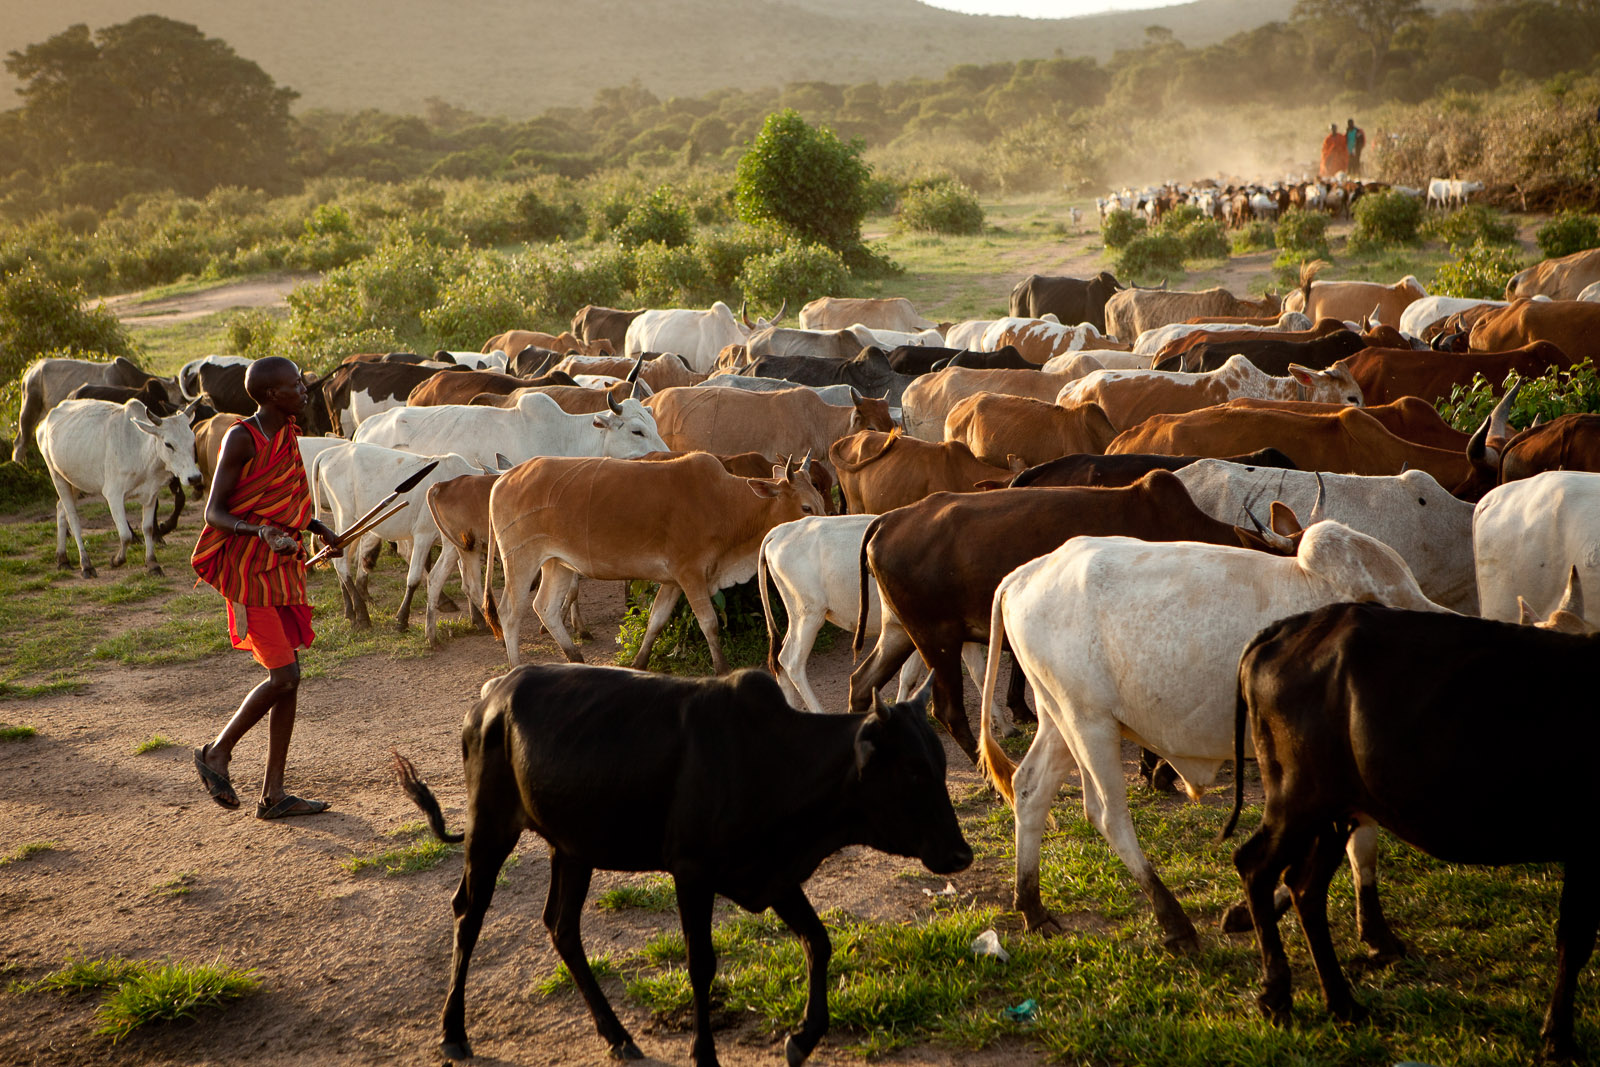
1411, 513
495, 360
1080, 364
1124, 638
884, 313
118, 451
1427, 310
990, 341
1152, 341
347, 482
535, 426
888, 340
189, 373
1528, 534
1450, 192
696, 336
967, 334
1591, 292
814, 563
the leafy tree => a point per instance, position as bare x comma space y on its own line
804, 180
1374, 22
157, 95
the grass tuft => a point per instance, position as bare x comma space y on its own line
82, 975
27, 851
424, 853
153, 743
651, 894
181, 885
561, 978
17, 733
168, 993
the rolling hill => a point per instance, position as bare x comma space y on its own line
519, 57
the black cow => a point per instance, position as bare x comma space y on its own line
153, 395
379, 382
869, 373
222, 386
1073, 300
1365, 712
532, 362
621, 770
593, 322
1114, 471
1003, 358
920, 359
1270, 354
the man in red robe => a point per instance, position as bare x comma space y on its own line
1335, 156
251, 552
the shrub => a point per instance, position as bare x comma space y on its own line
681, 648
557, 285
387, 291
1256, 237
489, 298
252, 333
38, 315
1567, 233
670, 277
1473, 223
1204, 239
943, 206
540, 219
1151, 254
659, 219
795, 273
1120, 227
724, 255
1384, 219
804, 180
1179, 218
1554, 393
1302, 231
1480, 272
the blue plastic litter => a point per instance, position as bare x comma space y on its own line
1025, 1012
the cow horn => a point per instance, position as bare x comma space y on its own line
1316, 507
633, 375
1537, 420
745, 318
1271, 537
611, 402
1502, 411
1479, 454
805, 464
781, 309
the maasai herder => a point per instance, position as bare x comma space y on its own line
251, 552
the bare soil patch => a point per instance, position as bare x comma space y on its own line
261, 291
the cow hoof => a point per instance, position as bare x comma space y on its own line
402, 625
626, 1051
1236, 920
1164, 779
63, 563
1351, 1013
1277, 1010
1010, 730
1184, 943
88, 572
794, 1052
1384, 955
456, 1050
1044, 924
155, 569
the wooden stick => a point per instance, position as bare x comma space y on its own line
368, 522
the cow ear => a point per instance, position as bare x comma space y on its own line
140, 416
1304, 375
870, 733
762, 488
1283, 520
1525, 615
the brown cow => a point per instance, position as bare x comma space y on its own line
938, 561
513, 341
594, 323
1386, 374
875, 313
1569, 442
879, 472
1345, 442
1409, 418
1179, 345
459, 387
573, 399
685, 523
928, 400
998, 428
1571, 325
1352, 301
784, 422
1559, 279
1133, 311
662, 372
758, 465
1128, 397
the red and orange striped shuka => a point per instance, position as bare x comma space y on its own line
272, 490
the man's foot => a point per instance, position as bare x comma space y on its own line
290, 805
216, 781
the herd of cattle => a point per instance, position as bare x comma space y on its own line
1127, 488
1237, 205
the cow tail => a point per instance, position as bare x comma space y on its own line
862, 599
1241, 716
766, 607
422, 797
993, 763
491, 611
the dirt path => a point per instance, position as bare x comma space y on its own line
262, 291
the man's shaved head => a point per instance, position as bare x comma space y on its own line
266, 374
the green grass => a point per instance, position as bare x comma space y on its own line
153, 743
164, 347
26, 851
82, 975
170, 992
423, 853
17, 733
650, 894
180, 885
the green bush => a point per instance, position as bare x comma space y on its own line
1120, 227
1151, 255
1179, 218
21, 486
1554, 393
671, 277
1474, 223
659, 219
1302, 231
803, 180
540, 219
387, 291
795, 273
943, 206
724, 255
38, 315
1258, 236
486, 300
1384, 219
1204, 239
251, 332
1480, 272
1568, 232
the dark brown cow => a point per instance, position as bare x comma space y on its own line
879, 472
1386, 374
1180, 345
997, 427
938, 562
1570, 442
1110, 472
595, 323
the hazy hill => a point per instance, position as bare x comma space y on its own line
518, 57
